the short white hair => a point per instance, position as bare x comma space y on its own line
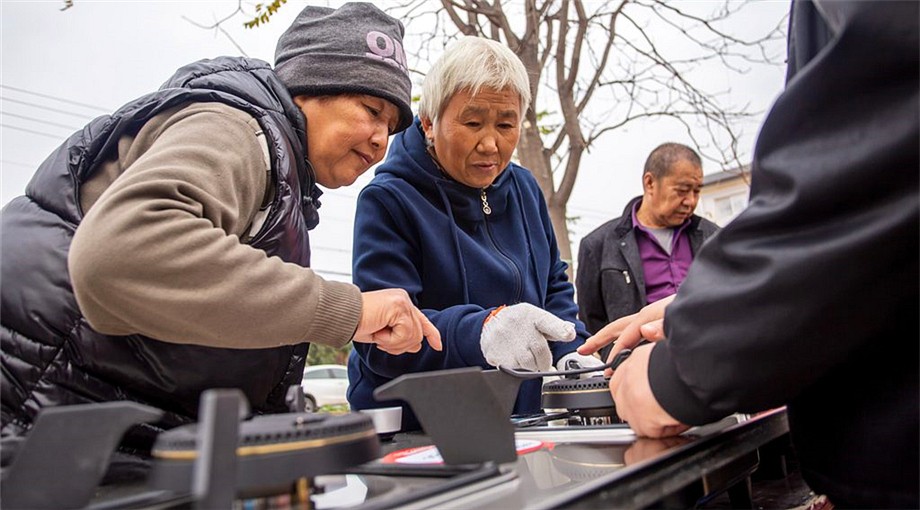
470, 64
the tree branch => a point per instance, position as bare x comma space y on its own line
218, 26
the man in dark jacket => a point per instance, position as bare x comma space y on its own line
644, 255
810, 297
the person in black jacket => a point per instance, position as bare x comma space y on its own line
809, 298
644, 254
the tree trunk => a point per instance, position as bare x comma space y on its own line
557, 214
533, 157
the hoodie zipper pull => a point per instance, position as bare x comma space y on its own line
485, 202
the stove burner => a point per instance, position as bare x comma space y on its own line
272, 451
589, 399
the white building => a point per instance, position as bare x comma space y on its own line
724, 195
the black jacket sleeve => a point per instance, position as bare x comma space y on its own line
825, 258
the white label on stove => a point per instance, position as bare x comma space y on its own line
431, 455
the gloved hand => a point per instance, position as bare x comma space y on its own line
574, 361
518, 336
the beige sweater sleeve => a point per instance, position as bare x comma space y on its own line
159, 253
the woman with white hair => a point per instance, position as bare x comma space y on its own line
466, 232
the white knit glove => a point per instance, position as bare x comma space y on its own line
579, 361
518, 336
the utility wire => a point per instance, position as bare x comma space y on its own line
43, 107
56, 98
33, 119
49, 135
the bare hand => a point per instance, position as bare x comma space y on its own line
390, 320
652, 331
635, 402
626, 332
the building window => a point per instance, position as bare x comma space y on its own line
726, 208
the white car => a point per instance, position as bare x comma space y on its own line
324, 385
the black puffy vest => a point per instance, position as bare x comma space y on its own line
51, 356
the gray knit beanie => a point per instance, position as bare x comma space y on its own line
355, 49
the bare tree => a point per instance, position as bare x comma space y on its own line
598, 66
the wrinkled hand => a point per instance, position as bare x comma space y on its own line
573, 360
626, 332
518, 337
635, 402
390, 320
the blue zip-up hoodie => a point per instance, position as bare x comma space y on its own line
419, 230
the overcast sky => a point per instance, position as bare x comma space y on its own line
59, 69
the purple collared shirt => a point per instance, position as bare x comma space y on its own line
663, 272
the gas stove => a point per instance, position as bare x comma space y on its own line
471, 454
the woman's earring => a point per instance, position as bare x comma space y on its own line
429, 142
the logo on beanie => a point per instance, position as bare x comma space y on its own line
383, 47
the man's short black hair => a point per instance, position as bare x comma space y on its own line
664, 157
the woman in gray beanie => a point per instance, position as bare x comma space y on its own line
163, 250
